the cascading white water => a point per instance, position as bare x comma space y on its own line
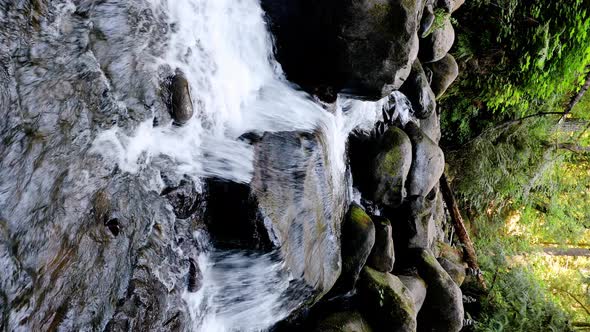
225, 50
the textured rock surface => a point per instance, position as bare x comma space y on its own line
417, 288
302, 203
80, 240
419, 229
436, 45
181, 106
431, 127
358, 238
382, 256
428, 162
457, 271
418, 91
387, 301
365, 46
343, 322
443, 307
391, 167
444, 73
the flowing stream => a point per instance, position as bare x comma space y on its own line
226, 52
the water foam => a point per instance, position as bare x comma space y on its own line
225, 51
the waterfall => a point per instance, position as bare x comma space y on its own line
226, 52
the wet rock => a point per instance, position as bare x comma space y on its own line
181, 103
391, 168
386, 301
419, 93
343, 322
427, 21
444, 73
443, 307
382, 256
428, 162
184, 198
437, 44
358, 238
365, 47
417, 288
431, 127
301, 204
60, 200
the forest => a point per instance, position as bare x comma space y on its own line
516, 130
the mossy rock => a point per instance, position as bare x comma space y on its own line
382, 256
386, 301
358, 238
391, 167
443, 308
346, 321
437, 44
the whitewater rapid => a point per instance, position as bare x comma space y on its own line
226, 52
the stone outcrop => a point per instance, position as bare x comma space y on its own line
391, 168
387, 301
308, 230
365, 47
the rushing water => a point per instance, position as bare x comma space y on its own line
225, 50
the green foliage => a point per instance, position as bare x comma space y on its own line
440, 16
518, 58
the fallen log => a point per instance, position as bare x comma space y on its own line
460, 230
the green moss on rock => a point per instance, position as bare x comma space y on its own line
386, 301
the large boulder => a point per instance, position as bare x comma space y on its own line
444, 73
365, 46
417, 288
431, 127
428, 162
382, 256
386, 301
419, 93
443, 308
301, 204
437, 44
358, 238
391, 168
419, 229
346, 321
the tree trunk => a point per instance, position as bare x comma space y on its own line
573, 147
460, 230
575, 99
570, 252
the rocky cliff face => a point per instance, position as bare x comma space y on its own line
88, 244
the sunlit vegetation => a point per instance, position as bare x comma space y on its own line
519, 159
